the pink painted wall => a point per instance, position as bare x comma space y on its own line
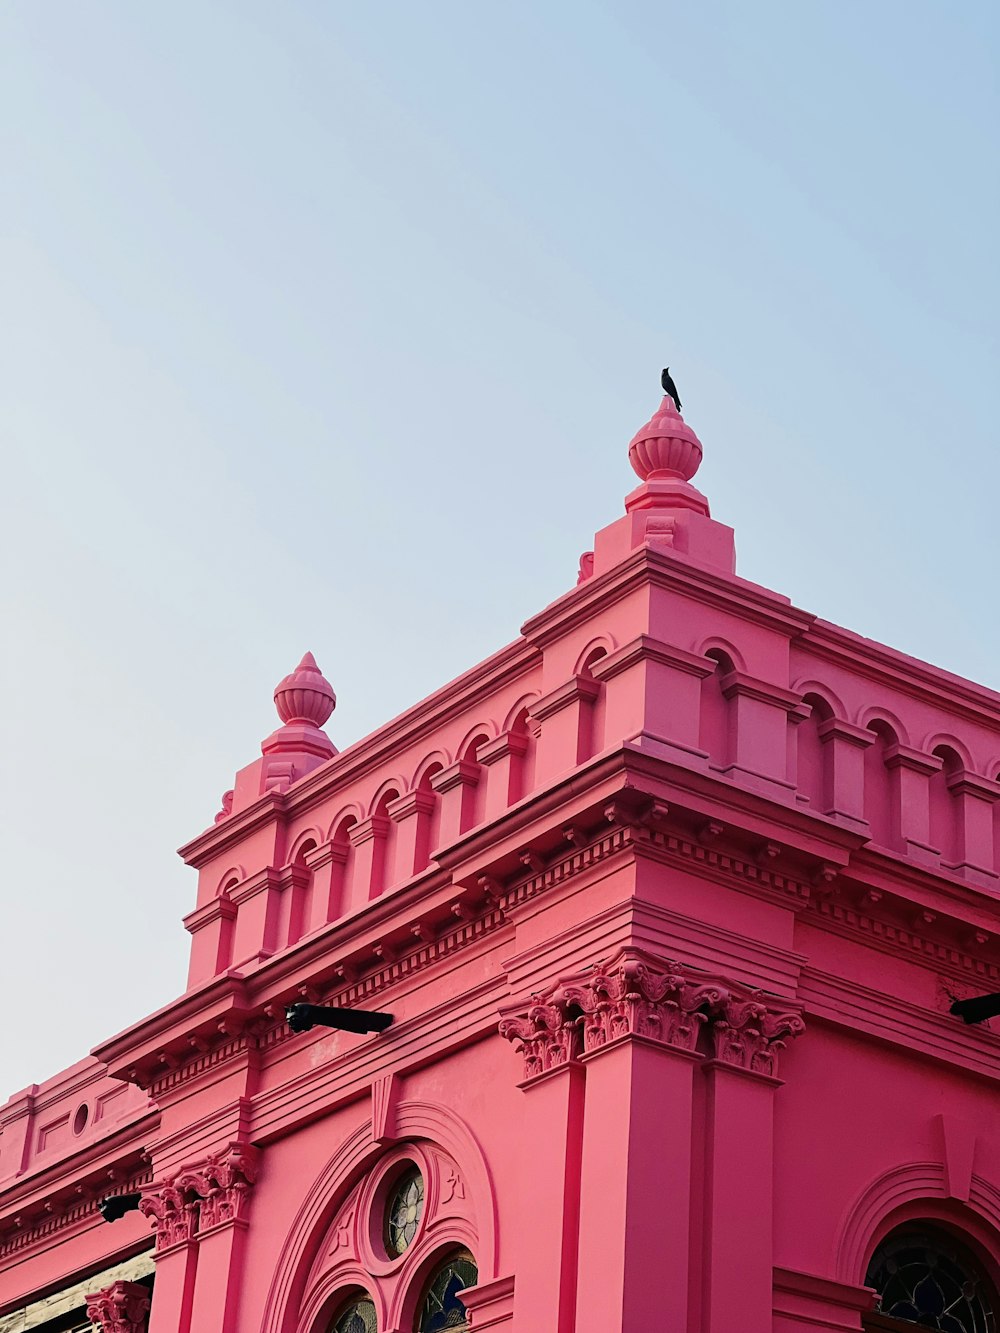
669, 900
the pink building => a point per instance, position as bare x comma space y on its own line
669, 901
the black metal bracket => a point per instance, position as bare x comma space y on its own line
977, 1008
302, 1017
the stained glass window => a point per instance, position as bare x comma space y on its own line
358, 1317
930, 1280
441, 1308
402, 1217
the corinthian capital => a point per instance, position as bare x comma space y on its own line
173, 1216
120, 1308
547, 1036
221, 1184
750, 1034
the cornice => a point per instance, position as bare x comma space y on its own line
914, 761
39, 1227
416, 802
645, 648
836, 728
578, 689
677, 574
752, 687
847, 1004
463, 772
966, 783
502, 747
897, 671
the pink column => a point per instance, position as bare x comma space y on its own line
566, 719
911, 770
412, 816
738, 1255
503, 757
120, 1308
636, 1187
222, 1186
641, 1021
654, 694
976, 797
296, 882
327, 899
258, 900
174, 1220
760, 723
211, 928
368, 839
545, 1291
845, 747
456, 789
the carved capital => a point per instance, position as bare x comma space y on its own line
120, 1308
221, 1184
173, 1216
548, 1037
632, 997
750, 1035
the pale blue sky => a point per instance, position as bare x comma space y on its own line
326, 326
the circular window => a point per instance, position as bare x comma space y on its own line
358, 1317
403, 1212
81, 1118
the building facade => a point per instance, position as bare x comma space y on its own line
668, 901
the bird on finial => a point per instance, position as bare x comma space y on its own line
670, 388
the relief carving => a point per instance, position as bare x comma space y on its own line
174, 1217
120, 1308
637, 996
221, 1184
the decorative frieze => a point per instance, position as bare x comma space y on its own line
656, 1000
121, 1308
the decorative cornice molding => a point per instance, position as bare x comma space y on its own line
836, 728
81, 1209
506, 744
417, 802
742, 685
916, 761
966, 783
578, 689
645, 648
463, 772
120, 1308
375, 826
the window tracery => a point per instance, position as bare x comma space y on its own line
441, 1307
928, 1279
357, 1317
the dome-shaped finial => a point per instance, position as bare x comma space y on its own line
666, 447
306, 696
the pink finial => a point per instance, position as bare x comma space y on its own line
666, 448
306, 696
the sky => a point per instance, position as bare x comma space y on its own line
326, 326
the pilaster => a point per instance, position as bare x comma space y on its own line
258, 900
975, 797
846, 745
912, 770
412, 816
326, 901
653, 695
565, 717
759, 733
456, 790
211, 928
368, 838
503, 756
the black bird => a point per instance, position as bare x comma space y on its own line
670, 388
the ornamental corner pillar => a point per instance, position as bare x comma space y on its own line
748, 1034
221, 1185
545, 1295
174, 1220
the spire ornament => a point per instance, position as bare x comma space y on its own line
305, 697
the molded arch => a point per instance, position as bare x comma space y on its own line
469, 741
436, 759
713, 645
333, 1292
822, 691
915, 1190
234, 875
352, 813
385, 794
356, 1154
429, 1254
875, 713
993, 768
603, 644
940, 740
311, 834
519, 710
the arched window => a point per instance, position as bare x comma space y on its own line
928, 1279
358, 1316
441, 1307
